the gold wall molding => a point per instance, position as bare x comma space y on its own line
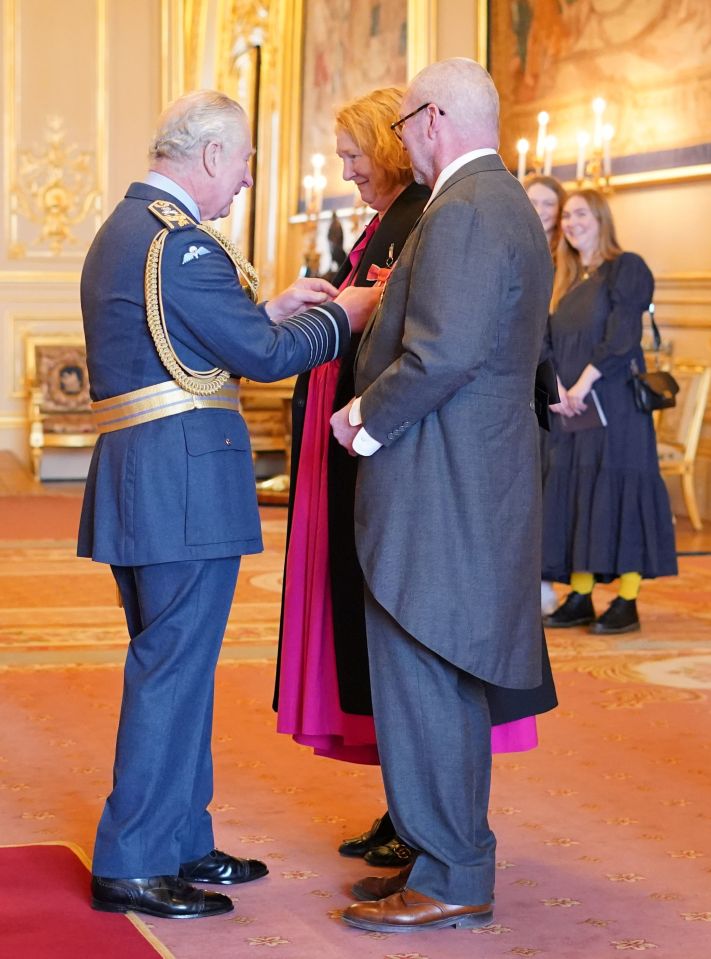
482, 32
422, 33
38, 276
689, 294
62, 186
172, 50
55, 189
684, 322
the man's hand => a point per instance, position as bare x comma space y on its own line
343, 432
305, 292
359, 303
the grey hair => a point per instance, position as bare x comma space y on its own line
465, 91
195, 119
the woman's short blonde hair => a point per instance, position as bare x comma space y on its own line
367, 121
569, 267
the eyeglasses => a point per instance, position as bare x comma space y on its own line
395, 127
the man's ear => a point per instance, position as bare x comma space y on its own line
210, 156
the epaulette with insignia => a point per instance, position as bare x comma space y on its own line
170, 214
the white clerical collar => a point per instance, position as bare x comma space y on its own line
452, 168
164, 183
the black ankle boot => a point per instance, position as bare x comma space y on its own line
380, 833
620, 617
577, 610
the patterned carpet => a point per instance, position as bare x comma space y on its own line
604, 831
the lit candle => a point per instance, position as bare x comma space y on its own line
522, 148
551, 143
598, 106
583, 140
543, 119
608, 132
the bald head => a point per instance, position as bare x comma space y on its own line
466, 93
455, 109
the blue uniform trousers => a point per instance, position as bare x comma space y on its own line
156, 816
434, 739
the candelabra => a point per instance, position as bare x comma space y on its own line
314, 185
594, 158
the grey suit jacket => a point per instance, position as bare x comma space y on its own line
448, 512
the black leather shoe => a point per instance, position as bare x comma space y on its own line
380, 832
165, 896
220, 869
619, 617
393, 853
577, 610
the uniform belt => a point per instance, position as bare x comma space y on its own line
155, 402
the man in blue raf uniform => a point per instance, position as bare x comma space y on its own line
170, 503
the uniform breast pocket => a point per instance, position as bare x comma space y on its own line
221, 499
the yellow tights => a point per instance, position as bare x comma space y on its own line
629, 584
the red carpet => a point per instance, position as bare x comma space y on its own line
40, 517
604, 839
43, 910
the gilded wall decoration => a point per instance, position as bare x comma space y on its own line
648, 59
55, 189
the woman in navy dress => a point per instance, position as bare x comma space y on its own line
606, 512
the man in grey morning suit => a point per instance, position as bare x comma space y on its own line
447, 506
170, 501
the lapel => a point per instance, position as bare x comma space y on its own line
491, 163
397, 225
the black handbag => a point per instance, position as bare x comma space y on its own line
656, 389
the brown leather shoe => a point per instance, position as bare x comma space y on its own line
373, 888
410, 911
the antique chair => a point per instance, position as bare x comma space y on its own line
59, 410
266, 408
679, 431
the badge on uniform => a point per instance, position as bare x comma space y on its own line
193, 253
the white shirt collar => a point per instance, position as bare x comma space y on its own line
164, 183
452, 168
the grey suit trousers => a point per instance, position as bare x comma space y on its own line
434, 738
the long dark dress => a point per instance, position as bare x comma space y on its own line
605, 507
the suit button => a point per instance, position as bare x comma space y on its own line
228, 442
532, 405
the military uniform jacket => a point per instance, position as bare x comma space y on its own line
181, 487
448, 513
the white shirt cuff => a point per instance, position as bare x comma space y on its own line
363, 444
